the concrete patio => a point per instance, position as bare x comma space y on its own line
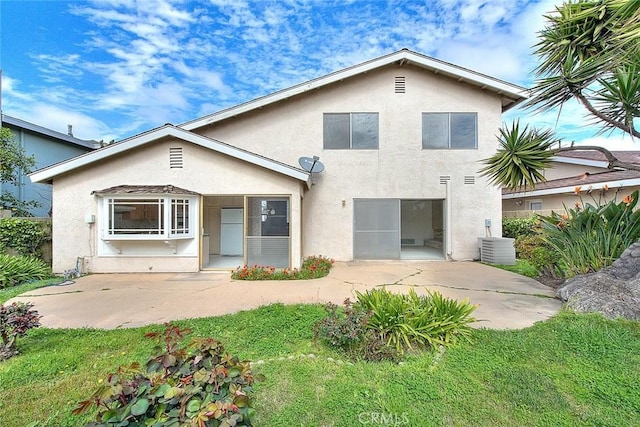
505, 300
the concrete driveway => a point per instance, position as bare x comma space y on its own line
506, 300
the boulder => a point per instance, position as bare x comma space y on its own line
613, 291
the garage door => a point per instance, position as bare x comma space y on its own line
376, 225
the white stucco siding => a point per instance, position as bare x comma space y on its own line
400, 168
204, 171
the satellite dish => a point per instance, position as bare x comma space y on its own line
311, 164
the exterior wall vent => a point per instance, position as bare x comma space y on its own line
444, 179
400, 84
469, 179
175, 158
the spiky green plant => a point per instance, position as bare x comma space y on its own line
19, 269
590, 237
521, 158
404, 321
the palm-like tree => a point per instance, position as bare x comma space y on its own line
589, 51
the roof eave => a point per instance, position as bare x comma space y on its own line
47, 174
19, 123
631, 182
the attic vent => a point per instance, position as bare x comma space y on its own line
175, 158
444, 179
400, 84
469, 179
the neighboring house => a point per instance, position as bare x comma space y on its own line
400, 138
48, 147
578, 176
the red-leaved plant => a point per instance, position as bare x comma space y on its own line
196, 384
15, 321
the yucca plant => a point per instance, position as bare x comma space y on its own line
19, 269
588, 238
521, 157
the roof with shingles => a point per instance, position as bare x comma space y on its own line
144, 189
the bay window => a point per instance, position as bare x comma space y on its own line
148, 218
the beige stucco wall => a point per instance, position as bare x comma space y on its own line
400, 168
204, 171
567, 170
558, 201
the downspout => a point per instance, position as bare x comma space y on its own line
448, 219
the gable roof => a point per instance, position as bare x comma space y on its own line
595, 158
47, 174
510, 94
22, 124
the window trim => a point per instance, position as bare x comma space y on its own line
530, 202
167, 230
448, 115
351, 116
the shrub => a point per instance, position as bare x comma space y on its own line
15, 321
347, 330
195, 384
526, 244
312, 267
589, 238
516, 227
24, 236
403, 321
15, 270
545, 261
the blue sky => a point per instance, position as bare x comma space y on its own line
114, 68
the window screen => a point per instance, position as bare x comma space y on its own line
350, 131
449, 130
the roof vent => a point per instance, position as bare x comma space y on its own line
444, 179
469, 179
175, 158
400, 84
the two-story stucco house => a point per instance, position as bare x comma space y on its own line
47, 148
399, 138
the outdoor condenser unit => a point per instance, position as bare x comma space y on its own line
497, 250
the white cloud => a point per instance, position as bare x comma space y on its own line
171, 61
51, 117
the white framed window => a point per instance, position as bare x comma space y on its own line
449, 131
535, 205
350, 131
147, 218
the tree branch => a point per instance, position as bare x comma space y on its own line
613, 162
630, 129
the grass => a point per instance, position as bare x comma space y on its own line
7, 293
571, 370
522, 267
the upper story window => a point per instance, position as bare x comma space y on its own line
356, 131
449, 130
148, 218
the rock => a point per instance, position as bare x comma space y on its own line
613, 291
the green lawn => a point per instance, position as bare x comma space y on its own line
570, 370
8, 293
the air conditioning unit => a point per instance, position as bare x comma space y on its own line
497, 250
